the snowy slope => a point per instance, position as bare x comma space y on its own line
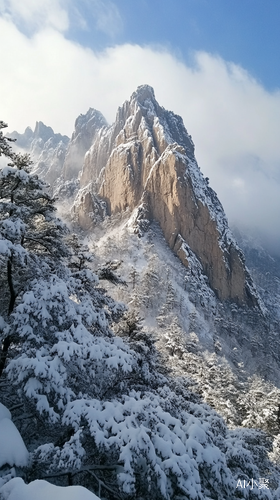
226, 351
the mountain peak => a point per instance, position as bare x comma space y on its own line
143, 93
92, 116
42, 131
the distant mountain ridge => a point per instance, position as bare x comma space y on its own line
46, 148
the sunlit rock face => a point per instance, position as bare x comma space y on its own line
146, 159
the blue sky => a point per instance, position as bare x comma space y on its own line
242, 31
214, 62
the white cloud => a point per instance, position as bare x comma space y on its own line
32, 15
233, 120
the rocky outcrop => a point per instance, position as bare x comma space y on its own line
88, 209
195, 218
86, 129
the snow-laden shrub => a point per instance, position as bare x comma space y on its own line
65, 345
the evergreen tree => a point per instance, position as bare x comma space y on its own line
29, 231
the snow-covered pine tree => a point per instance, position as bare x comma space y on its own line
28, 231
81, 256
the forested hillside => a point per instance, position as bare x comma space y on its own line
88, 398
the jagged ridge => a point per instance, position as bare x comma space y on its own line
46, 148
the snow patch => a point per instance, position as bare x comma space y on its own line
12, 448
16, 489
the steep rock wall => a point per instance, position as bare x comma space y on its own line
172, 202
147, 157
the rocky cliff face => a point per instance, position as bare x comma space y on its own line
146, 160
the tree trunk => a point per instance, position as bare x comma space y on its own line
4, 352
11, 286
7, 341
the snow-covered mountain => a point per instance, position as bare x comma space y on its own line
143, 168
144, 165
146, 161
86, 130
201, 312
